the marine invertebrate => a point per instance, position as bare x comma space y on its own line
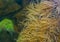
41, 25
7, 25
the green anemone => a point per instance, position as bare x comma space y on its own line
6, 24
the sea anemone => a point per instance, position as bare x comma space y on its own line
41, 24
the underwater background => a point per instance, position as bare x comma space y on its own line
29, 20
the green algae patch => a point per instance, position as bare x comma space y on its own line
6, 24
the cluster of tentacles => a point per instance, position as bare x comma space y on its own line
41, 23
